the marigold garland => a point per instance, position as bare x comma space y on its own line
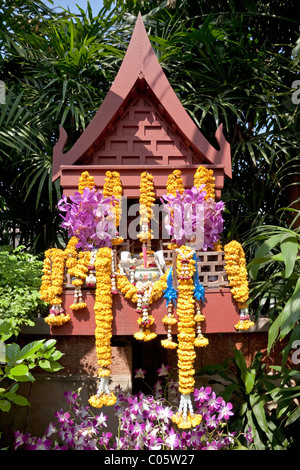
57, 319
85, 181
113, 187
130, 290
205, 176
175, 183
52, 285
200, 340
134, 293
169, 320
185, 417
103, 331
147, 199
235, 266
218, 246
144, 291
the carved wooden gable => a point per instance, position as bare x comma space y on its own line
143, 137
141, 123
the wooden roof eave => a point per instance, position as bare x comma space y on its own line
140, 62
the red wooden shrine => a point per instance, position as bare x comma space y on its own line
141, 125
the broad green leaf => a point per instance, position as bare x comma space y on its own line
250, 380
240, 360
295, 336
259, 411
5, 405
44, 364
50, 342
289, 248
291, 312
29, 349
294, 416
273, 333
17, 399
264, 248
18, 370
12, 353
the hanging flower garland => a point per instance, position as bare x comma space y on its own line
218, 246
204, 176
90, 280
169, 320
175, 183
185, 417
147, 199
79, 271
113, 188
142, 294
235, 266
144, 291
103, 331
130, 291
199, 295
52, 285
78, 264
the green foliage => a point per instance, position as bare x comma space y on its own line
20, 280
17, 364
275, 286
259, 402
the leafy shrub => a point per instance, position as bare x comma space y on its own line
20, 280
16, 365
252, 389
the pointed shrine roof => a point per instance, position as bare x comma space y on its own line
140, 65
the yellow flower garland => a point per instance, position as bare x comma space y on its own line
205, 176
52, 285
113, 187
145, 320
175, 183
103, 331
130, 291
200, 340
79, 270
218, 246
147, 199
169, 320
185, 417
235, 266
85, 181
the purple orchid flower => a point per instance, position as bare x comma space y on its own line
90, 217
190, 217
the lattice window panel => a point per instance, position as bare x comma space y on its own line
211, 267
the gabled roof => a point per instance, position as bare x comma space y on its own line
140, 64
